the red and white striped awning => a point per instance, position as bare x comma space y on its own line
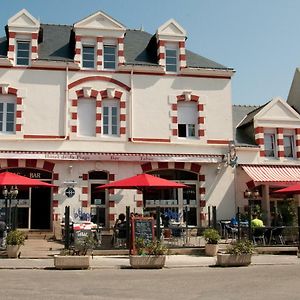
273, 174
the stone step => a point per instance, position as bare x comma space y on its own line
39, 234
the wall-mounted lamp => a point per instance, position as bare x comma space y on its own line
70, 167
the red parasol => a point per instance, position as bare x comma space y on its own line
8, 178
143, 181
293, 189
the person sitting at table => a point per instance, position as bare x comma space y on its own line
233, 221
120, 231
256, 222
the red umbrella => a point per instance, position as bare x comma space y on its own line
143, 181
8, 178
293, 189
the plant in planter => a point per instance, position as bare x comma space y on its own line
212, 238
76, 257
150, 254
14, 240
237, 254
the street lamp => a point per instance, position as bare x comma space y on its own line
9, 195
250, 195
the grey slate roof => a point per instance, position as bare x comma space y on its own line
244, 134
56, 42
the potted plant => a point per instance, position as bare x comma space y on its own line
237, 254
212, 238
149, 254
14, 240
78, 256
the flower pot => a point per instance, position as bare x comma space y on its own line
233, 260
147, 261
13, 250
68, 262
211, 249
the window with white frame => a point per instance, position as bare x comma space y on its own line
270, 146
288, 144
23, 53
109, 56
88, 56
110, 113
7, 116
171, 59
187, 118
86, 117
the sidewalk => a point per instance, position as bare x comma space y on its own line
173, 261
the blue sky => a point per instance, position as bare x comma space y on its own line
260, 39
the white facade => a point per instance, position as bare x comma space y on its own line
60, 119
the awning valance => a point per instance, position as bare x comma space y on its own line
273, 174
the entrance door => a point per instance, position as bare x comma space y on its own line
40, 208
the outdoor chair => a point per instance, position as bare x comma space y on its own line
231, 232
276, 236
258, 235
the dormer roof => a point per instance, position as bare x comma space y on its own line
99, 24
23, 21
171, 30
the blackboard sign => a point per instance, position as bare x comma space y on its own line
80, 235
142, 227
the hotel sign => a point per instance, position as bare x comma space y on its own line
140, 157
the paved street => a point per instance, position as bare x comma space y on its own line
257, 281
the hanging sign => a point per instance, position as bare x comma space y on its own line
69, 192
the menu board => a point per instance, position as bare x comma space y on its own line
142, 227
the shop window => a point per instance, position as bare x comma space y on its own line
109, 56
98, 204
187, 119
23, 53
87, 117
270, 146
7, 116
111, 117
176, 205
88, 57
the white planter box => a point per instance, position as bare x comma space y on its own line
147, 261
232, 260
211, 249
71, 262
13, 250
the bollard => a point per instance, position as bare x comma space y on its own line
67, 227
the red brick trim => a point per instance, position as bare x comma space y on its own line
84, 203
99, 78
49, 166
259, 130
31, 163
218, 142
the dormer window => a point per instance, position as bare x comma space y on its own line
270, 146
171, 60
88, 57
109, 56
23, 53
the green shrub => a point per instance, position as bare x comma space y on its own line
211, 236
150, 247
240, 247
15, 237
